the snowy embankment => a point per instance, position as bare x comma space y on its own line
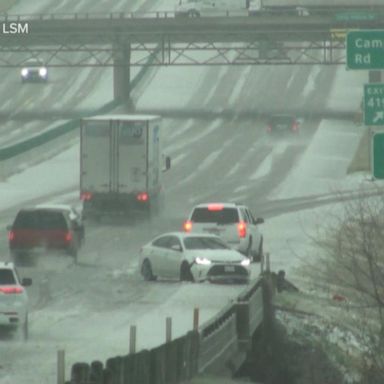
321, 170
317, 315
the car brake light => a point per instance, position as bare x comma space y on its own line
11, 235
215, 207
86, 196
68, 237
242, 229
142, 196
187, 226
11, 289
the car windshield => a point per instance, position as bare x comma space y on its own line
7, 277
40, 219
204, 243
222, 216
33, 63
282, 119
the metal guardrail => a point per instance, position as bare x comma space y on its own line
218, 338
209, 348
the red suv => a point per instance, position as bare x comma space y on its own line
36, 229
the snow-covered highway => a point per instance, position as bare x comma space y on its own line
221, 159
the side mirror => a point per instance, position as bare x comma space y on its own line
259, 220
26, 282
77, 226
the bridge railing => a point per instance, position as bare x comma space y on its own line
218, 339
8, 18
214, 346
339, 14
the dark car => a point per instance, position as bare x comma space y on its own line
282, 123
44, 228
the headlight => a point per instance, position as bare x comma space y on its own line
24, 72
202, 260
43, 71
245, 262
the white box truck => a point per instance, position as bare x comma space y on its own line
121, 164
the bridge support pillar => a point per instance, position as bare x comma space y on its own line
121, 71
374, 76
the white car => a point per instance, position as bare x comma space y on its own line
34, 70
211, 8
13, 299
192, 257
234, 223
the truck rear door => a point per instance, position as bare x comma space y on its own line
95, 156
132, 156
154, 156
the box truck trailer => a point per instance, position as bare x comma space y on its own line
121, 164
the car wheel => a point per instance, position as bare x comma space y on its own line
259, 255
193, 14
248, 252
25, 328
21, 332
73, 251
185, 273
146, 271
15, 258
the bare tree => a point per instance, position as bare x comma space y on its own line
352, 259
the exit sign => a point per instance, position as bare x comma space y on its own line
365, 49
374, 104
378, 155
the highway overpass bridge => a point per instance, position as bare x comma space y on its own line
157, 39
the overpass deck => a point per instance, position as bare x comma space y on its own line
101, 40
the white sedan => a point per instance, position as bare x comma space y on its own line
13, 299
192, 257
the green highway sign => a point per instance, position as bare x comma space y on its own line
365, 49
374, 104
378, 155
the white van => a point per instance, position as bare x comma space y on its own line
206, 8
